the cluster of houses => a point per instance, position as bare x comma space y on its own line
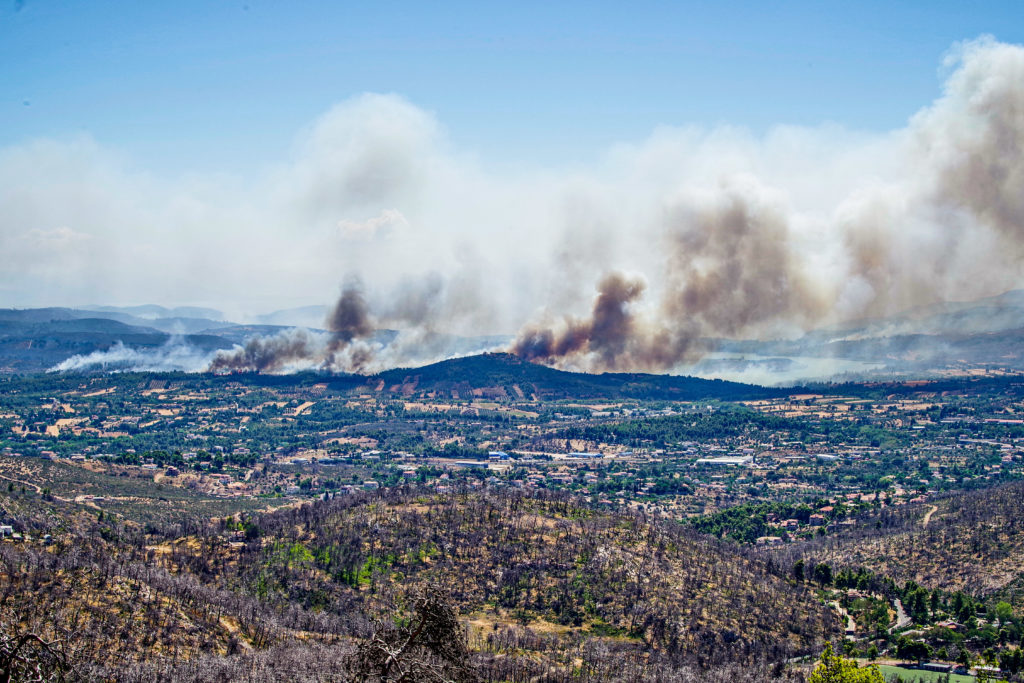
8, 534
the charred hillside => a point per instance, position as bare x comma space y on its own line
508, 560
541, 586
965, 541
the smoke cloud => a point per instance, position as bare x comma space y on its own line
729, 270
343, 348
349, 319
638, 261
609, 333
176, 355
739, 261
269, 354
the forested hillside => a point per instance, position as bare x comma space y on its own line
502, 372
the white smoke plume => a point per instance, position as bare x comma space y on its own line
176, 355
633, 262
349, 344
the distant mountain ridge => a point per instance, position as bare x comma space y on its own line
171, 325
924, 340
155, 311
990, 314
305, 316
33, 344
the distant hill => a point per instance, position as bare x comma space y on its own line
306, 316
991, 314
43, 315
501, 375
153, 311
175, 324
238, 334
35, 342
917, 353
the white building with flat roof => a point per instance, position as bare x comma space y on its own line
733, 460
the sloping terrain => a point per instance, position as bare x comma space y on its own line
548, 588
498, 375
30, 345
179, 321
505, 558
971, 542
155, 312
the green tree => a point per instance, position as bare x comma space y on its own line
833, 668
1004, 612
985, 677
823, 574
1012, 660
913, 650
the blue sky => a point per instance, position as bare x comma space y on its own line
227, 85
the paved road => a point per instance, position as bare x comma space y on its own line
902, 620
851, 625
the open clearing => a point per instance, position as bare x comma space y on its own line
915, 675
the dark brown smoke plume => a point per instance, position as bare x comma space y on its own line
348, 322
266, 354
729, 270
349, 319
606, 334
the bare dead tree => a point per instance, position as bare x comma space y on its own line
430, 646
28, 657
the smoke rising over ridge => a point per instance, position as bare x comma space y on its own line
736, 264
342, 348
634, 262
353, 341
